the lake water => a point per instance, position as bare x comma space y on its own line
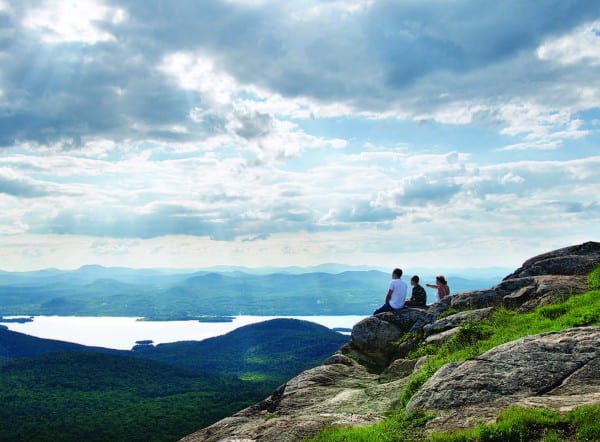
122, 333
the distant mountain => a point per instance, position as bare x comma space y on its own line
101, 291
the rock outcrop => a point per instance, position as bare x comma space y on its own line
363, 380
555, 370
338, 392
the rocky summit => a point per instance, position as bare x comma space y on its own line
362, 381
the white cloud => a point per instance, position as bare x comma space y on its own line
579, 46
65, 21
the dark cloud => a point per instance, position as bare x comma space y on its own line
113, 88
415, 38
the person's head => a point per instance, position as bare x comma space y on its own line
397, 273
414, 280
441, 279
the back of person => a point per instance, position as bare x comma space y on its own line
419, 297
399, 290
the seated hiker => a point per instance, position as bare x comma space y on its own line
418, 297
442, 287
396, 295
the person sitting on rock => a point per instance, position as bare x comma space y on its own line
396, 295
442, 287
418, 297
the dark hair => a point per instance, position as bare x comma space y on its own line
397, 272
441, 279
415, 278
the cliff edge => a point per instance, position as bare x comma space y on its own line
363, 380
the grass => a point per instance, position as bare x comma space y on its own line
399, 423
525, 424
473, 339
594, 279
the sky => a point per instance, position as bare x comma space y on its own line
258, 133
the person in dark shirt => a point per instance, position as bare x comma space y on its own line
418, 297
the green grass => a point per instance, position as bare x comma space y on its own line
594, 279
524, 424
399, 423
473, 339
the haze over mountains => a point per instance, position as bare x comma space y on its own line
177, 294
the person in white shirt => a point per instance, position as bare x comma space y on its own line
396, 295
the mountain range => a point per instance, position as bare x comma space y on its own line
162, 294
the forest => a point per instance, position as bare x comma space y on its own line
66, 392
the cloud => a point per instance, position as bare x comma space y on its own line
579, 46
269, 121
19, 186
73, 21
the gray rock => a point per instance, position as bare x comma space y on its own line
334, 394
457, 319
338, 358
532, 366
398, 369
475, 299
553, 288
373, 341
441, 337
573, 260
439, 307
378, 340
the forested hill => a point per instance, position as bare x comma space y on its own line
52, 390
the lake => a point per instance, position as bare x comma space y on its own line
123, 332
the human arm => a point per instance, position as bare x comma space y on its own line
388, 296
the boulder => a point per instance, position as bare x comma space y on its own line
573, 260
541, 365
441, 337
378, 340
457, 319
549, 289
476, 299
398, 369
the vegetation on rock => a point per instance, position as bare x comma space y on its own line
473, 339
